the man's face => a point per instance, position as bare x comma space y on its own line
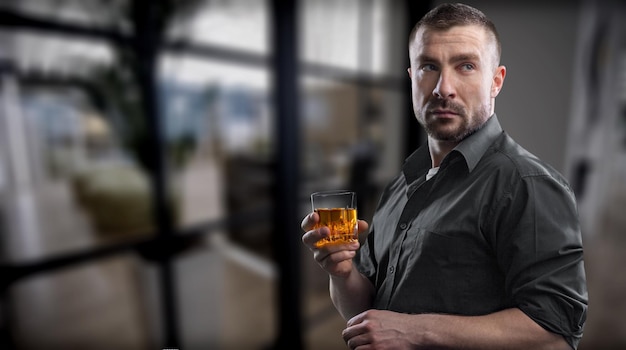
454, 80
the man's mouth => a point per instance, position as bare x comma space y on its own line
444, 113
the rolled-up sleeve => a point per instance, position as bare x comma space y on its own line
539, 249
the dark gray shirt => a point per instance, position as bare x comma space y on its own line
495, 228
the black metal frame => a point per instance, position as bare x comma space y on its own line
168, 241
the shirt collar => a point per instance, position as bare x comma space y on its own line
472, 149
416, 164
474, 146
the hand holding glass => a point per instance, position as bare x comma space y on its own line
337, 211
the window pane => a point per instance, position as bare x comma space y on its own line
363, 35
329, 32
72, 182
89, 13
238, 24
224, 110
55, 55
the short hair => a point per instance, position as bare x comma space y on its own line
446, 16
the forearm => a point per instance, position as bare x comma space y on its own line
351, 295
507, 329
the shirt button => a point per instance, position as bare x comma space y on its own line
403, 226
391, 269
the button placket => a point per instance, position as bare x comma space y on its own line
396, 256
393, 261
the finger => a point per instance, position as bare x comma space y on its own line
362, 230
347, 334
309, 221
326, 251
328, 260
311, 237
352, 343
357, 319
333, 248
351, 336
360, 342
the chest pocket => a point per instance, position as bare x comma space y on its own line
446, 273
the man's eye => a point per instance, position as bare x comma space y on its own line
467, 66
429, 67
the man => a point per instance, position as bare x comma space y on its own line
476, 243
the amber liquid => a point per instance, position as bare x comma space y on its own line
342, 224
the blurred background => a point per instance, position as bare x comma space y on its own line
156, 158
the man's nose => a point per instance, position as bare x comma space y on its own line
445, 86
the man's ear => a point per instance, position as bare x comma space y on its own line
498, 81
409, 71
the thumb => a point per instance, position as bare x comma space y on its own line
362, 226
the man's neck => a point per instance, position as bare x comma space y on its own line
439, 150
